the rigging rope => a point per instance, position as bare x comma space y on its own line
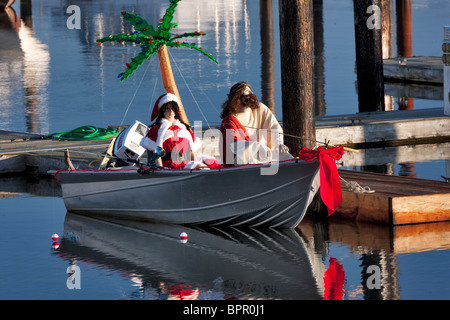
150, 108
190, 91
135, 92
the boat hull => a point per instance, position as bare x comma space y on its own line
239, 196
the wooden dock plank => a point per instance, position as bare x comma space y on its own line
396, 201
397, 186
372, 128
418, 69
46, 145
21, 152
8, 136
364, 207
421, 208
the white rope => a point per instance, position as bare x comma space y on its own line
193, 97
355, 187
135, 92
150, 108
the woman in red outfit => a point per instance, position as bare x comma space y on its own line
175, 137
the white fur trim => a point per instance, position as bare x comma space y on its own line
197, 145
148, 144
168, 98
164, 133
195, 165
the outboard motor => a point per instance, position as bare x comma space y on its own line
128, 144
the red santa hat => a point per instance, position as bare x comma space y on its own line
162, 100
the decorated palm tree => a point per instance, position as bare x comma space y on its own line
154, 41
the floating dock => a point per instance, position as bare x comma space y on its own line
386, 128
418, 70
32, 154
392, 200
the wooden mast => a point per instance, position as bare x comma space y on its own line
168, 79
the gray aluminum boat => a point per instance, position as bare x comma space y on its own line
238, 196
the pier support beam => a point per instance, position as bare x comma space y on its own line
403, 9
446, 60
267, 54
369, 54
319, 59
297, 72
447, 89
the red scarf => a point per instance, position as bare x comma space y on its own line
330, 185
175, 129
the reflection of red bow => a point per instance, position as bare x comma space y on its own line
334, 280
330, 185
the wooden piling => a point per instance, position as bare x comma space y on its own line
297, 72
319, 59
267, 54
369, 54
403, 11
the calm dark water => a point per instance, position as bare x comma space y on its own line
138, 261
54, 79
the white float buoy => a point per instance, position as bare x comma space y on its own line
55, 237
183, 237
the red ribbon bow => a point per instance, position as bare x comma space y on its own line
174, 127
330, 185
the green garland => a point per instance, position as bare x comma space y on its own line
85, 133
152, 40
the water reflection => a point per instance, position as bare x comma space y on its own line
27, 61
213, 264
378, 246
330, 260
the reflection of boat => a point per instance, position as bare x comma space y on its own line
233, 196
225, 263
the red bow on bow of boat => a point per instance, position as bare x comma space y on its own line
330, 185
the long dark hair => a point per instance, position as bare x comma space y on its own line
235, 100
176, 109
